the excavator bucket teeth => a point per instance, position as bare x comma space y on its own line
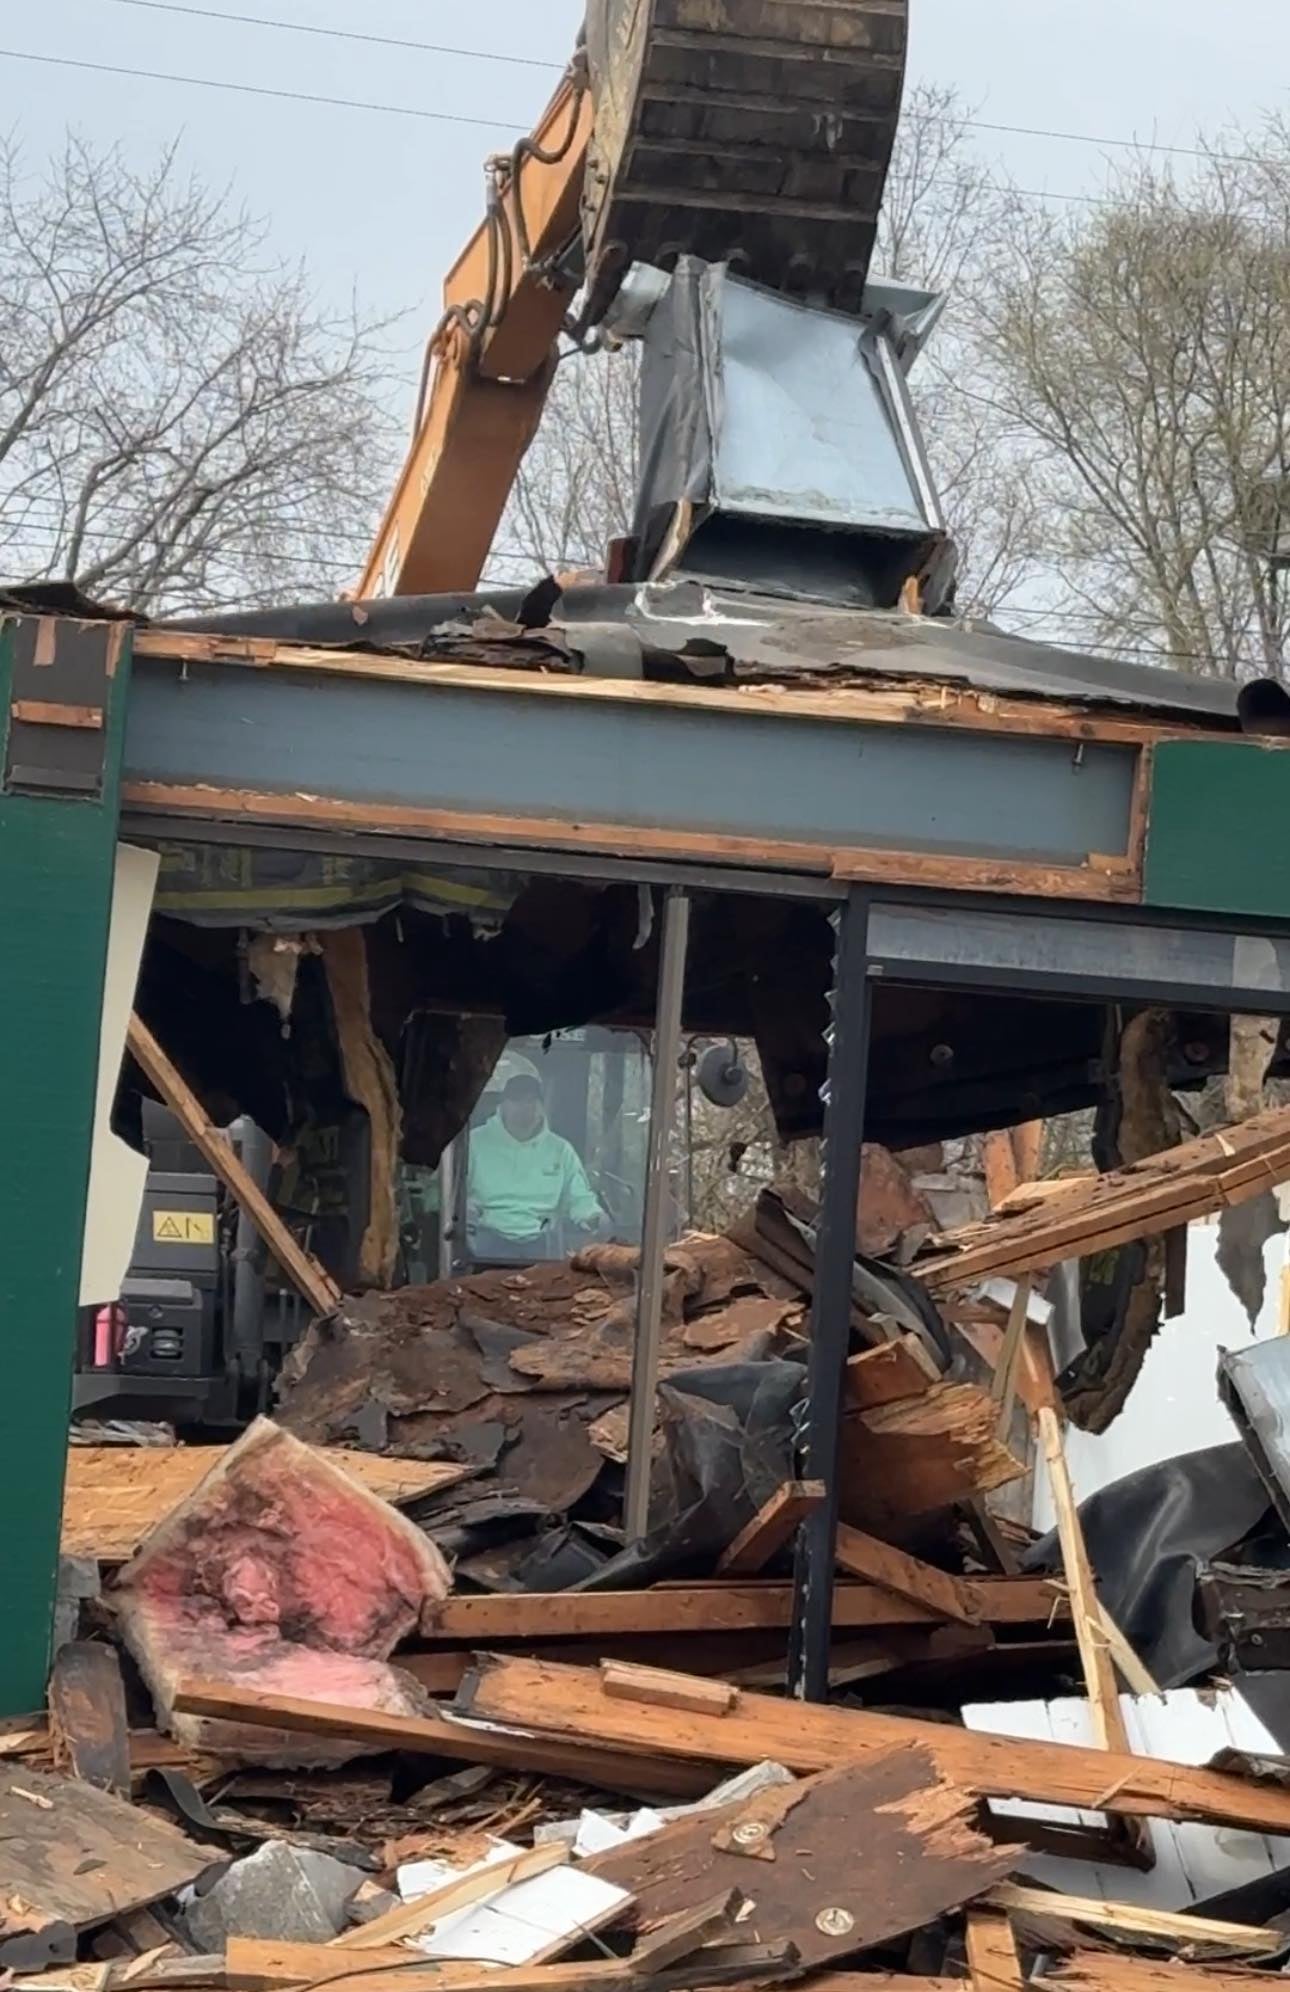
757, 132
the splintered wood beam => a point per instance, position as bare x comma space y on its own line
569, 1702
1169, 1926
1120, 1971
304, 1271
862, 1555
1046, 1223
771, 1528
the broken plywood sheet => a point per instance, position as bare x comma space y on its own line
75, 1856
281, 1574
116, 1495
791, 1851
1186, 1726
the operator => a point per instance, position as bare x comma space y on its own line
525, 1181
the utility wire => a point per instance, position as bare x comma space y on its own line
259, 90
538, 62
511, 130
341, 34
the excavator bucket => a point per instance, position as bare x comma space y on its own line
754, 132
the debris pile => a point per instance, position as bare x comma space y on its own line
380, 1699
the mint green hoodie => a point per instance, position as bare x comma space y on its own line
521, 1187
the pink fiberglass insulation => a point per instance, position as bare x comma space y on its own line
279, 1573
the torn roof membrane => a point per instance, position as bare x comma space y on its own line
686, 628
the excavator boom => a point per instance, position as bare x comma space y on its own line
754, 132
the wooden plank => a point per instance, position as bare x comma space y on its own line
253, 1965
114, 1496
771, 1528
206, 803
625, 1770
1109, 1727
1119, 1971
47, 712
1168, 1926
711, 1608
792, 1848
683, 1934
301, 1268
888, 1374
88, 1725
1004, 1387
659, 1689
568, 1702
1144, 1200
929, 702
1134, 1674
77, 1856
413, 1919
732, 1964
862, 1555
1095, 1659
993, 1959
257, 1965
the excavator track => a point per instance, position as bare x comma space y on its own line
757, 132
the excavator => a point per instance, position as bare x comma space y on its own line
753, 134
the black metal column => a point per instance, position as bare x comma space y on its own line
844, 1111
668, 1026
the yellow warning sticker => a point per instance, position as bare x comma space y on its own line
183, 1227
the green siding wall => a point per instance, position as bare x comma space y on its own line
56, 870
1219, 829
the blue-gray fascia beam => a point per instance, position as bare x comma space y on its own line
731, 778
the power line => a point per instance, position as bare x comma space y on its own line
1090, 138
511, 130
258, 90
538, 62
21, 535
341, 34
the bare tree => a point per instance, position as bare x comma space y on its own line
943, 221
1139, 354
182, 425
577, 485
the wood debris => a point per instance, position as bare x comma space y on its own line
553, 1826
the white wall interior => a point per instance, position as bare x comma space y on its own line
1174, 1406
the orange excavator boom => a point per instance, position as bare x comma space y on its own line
757, 132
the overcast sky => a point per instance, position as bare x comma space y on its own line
383, 201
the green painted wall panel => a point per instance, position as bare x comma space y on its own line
1218, 838
56, 871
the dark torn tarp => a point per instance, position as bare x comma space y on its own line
1149, 1537
730, 1439
688, 629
